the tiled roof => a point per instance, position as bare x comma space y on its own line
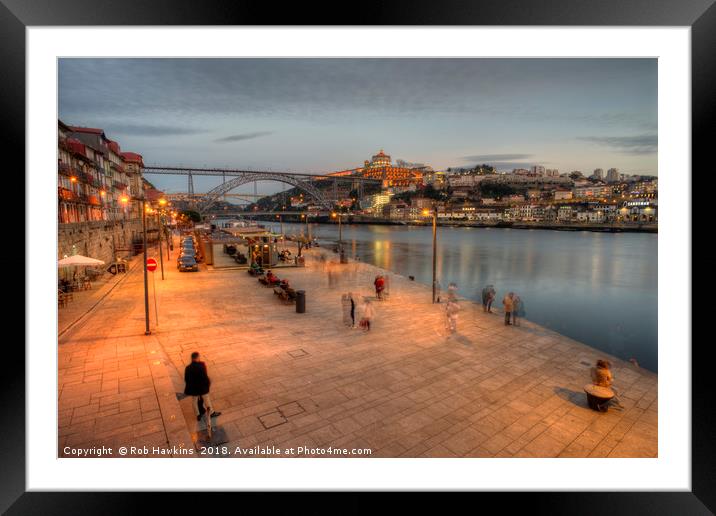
132, 157
114, 146
91, 130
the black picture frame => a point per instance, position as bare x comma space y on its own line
17, 15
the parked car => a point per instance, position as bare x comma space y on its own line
187, 263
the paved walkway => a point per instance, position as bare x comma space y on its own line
84, 301
282, 379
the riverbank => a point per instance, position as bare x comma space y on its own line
284, 379
598, 228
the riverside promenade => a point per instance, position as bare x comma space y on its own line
283, 379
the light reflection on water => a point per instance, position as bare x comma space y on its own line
598, 288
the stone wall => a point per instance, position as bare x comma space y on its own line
94, 239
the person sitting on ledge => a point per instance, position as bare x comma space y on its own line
600, 392
602, 374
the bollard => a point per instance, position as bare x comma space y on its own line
300, 301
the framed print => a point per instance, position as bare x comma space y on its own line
424, 252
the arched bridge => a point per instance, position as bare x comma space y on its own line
215, 194
234, 178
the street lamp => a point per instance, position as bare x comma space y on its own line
124, 200
426, 212
159, 233
147, 331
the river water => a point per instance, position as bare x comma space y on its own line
598, 288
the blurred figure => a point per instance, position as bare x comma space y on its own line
488, 296
452, 292
353, 309
346, 309
452, 309
518, 309
508, 303
379, 284
367, 315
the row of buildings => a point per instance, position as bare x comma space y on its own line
97, 188
640, 211
93, 174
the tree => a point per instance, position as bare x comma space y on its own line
191, 215
489, 189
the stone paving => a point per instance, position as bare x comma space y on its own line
283, 379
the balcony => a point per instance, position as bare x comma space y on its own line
64, 169
119, 186
66, 195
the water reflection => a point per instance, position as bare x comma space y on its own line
598, 288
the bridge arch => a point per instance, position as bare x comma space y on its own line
215, 193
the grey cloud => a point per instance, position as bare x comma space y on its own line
242, 137
636, 145
150, 130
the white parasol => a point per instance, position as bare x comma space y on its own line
78, 260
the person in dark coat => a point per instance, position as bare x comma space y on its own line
197, 386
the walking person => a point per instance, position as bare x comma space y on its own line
379, 284
353, 309
346, 309
452, 309
197, 386
452, 292
489, 294
367, 316
508, 303
518, 309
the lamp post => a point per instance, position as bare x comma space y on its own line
125, 200
162, 202
147, 331
103, 195
159, 234
435, 239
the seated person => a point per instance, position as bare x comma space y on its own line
600, 393
602, 374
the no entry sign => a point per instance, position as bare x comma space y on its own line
151, 264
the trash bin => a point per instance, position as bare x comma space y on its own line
300, 301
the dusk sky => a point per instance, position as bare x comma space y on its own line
322, 115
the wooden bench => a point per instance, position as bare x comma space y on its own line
285, 295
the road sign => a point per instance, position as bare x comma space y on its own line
151, 264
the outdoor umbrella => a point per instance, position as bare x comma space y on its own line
78, 260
